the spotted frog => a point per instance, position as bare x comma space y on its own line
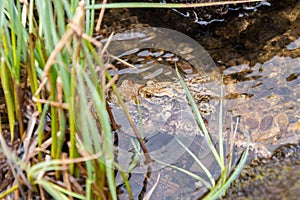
164, 105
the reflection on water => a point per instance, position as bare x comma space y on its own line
294, 45
266, 97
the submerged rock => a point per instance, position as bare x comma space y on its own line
276, 177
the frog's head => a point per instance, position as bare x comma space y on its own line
127, 90
152, 89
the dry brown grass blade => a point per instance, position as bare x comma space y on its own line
123, 61
78, 20
76, 27
101, 16
30, 141
150, 192
76, 186
114, 78
66, 176
42, 193
11, 160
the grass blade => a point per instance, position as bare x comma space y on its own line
6, 84
167, 5
208, 174
200, 121
195, 176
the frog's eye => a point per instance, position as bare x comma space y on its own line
148, 95
150, 83
145, 94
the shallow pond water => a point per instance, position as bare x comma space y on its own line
258, 56
163, 115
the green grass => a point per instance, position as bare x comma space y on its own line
57, 54
224, 160
55, 48
165, 5
228, 175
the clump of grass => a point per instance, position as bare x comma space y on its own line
228, 175
37, 38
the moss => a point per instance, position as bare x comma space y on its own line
270, 178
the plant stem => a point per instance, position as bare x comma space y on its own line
165, 5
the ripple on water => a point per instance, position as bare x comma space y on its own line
270, 112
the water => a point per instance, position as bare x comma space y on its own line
258, 55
